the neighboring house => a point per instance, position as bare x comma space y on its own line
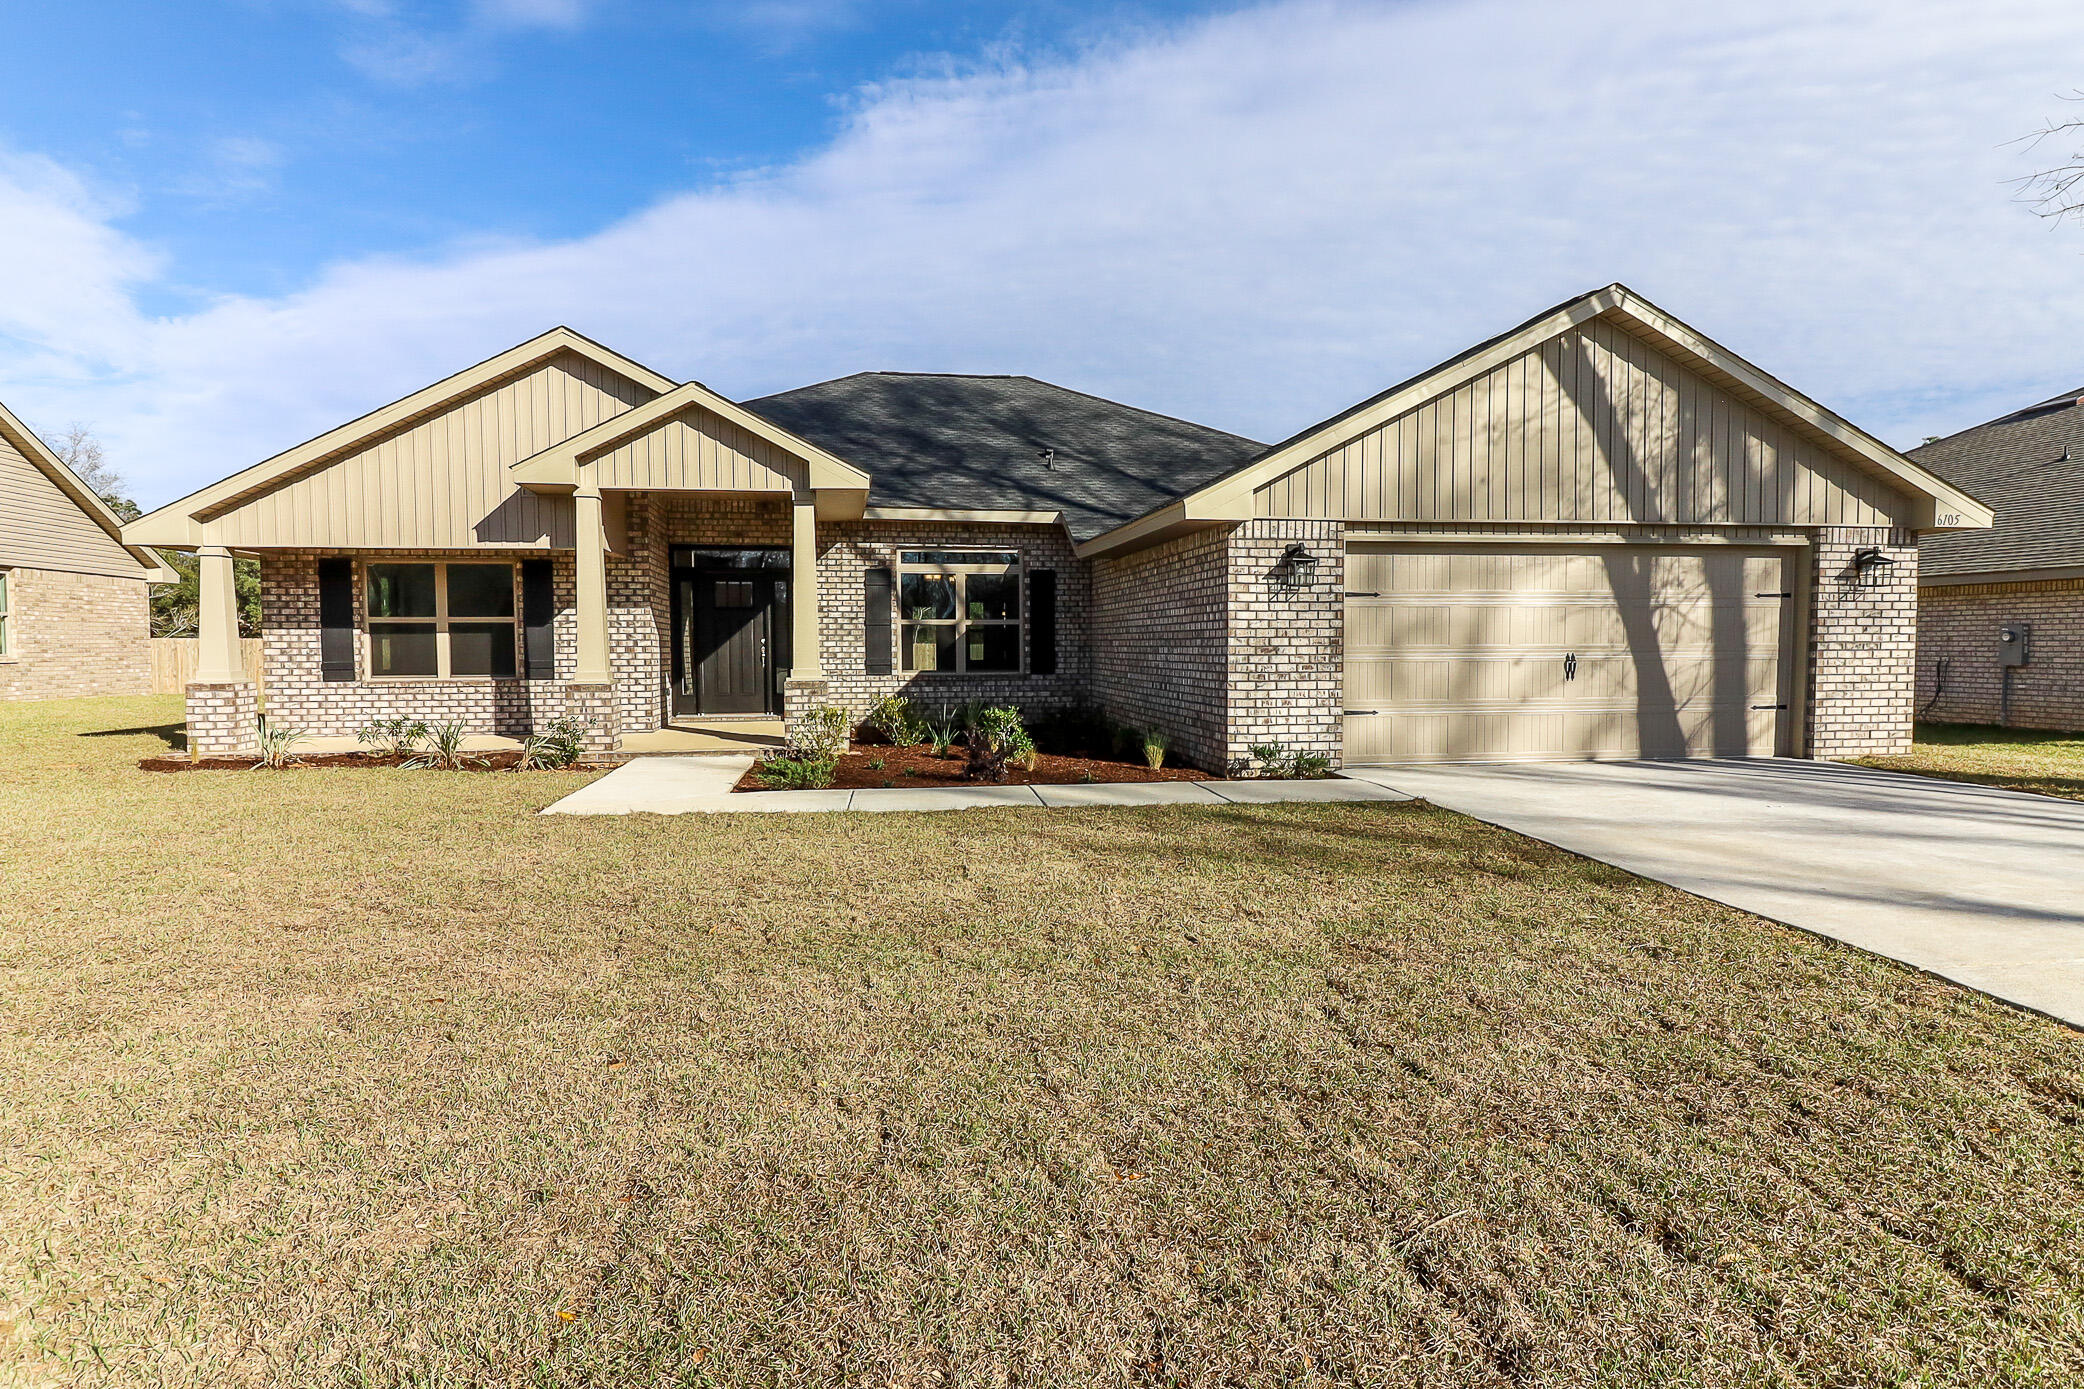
74, 615
2025, 575
1599, 534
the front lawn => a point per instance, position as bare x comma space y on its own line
2018, 759
379, 1079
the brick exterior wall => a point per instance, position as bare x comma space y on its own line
1863, 645
848, 549
1202, 640
298, 696
1957, 624
73, 635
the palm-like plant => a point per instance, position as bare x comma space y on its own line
276, 746
444, 746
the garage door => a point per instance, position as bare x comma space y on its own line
1468, 653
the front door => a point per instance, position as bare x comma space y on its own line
728, 628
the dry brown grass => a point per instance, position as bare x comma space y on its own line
2018, 759
377, 1079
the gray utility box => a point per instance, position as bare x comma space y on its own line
2014, 644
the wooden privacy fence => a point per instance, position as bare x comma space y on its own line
174, 659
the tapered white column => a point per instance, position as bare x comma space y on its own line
591, 585
803, 601
217, 620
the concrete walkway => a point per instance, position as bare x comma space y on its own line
701, 785
1982, 886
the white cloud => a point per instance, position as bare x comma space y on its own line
1253, 220
532, 14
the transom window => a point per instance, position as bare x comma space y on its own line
441, 620
960, 610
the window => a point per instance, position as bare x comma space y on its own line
960, 611
6, 626
435, 620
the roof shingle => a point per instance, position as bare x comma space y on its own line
2028, 466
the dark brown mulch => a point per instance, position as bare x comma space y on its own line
472, 761
917, 766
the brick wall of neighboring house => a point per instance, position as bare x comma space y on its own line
71, 635
848, 549
1863, 635
1161, 644
1287, 641
298, 696
1957, 625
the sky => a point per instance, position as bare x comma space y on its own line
229, 225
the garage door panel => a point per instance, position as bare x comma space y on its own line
1460, 653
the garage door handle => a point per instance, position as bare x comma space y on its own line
1363, 711
1357, 593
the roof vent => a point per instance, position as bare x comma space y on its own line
1048, 457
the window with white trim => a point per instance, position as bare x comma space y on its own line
440, 620
960, 611
6, 623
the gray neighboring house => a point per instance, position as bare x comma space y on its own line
74, 615
2023, 576
1599, 534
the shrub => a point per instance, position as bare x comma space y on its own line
941, 735
819, 733
1271, 760
895, 721
1310, 766
444, 749
392, 737
793, 771
996, 738
1154, 746
559, 745
276, 746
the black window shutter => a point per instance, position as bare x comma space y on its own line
336, 619
875, 622
1042, 622
538, 620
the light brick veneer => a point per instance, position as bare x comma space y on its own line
222, 719
1200, 638
1957, 624
1863, 643
72, 635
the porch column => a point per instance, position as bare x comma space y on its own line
803, 602
217, 620
591, 583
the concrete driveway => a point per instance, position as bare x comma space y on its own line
1982, 886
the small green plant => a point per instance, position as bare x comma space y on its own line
791, 771
392, 737
1086, 777
1154, 746
1271, 760
443, 749
940, 736
819, 733
1310, 766
996, 739
276, 746
875, 764
559, 745
895, 721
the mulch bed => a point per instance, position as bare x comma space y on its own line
917, 766
472, 762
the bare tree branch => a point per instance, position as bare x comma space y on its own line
2057, 191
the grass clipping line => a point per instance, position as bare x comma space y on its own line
384, 1080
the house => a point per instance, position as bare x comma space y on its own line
2001, 611
1599, 534
74, 612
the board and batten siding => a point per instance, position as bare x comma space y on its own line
43, 528
697, 450
442, 482
1594, 425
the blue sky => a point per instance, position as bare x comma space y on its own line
225, 227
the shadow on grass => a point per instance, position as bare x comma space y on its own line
2067, 787
174, 735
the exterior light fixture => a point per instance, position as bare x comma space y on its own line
1298, 567
1867, 560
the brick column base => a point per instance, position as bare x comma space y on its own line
595, 708
222, 720
799, 697
1863, 632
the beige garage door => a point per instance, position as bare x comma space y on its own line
1457, 652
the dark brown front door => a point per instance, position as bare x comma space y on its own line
725, 647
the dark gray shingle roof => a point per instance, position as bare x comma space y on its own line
2028, 467
976, 443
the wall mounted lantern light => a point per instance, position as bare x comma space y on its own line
1865, 562
1298, 567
